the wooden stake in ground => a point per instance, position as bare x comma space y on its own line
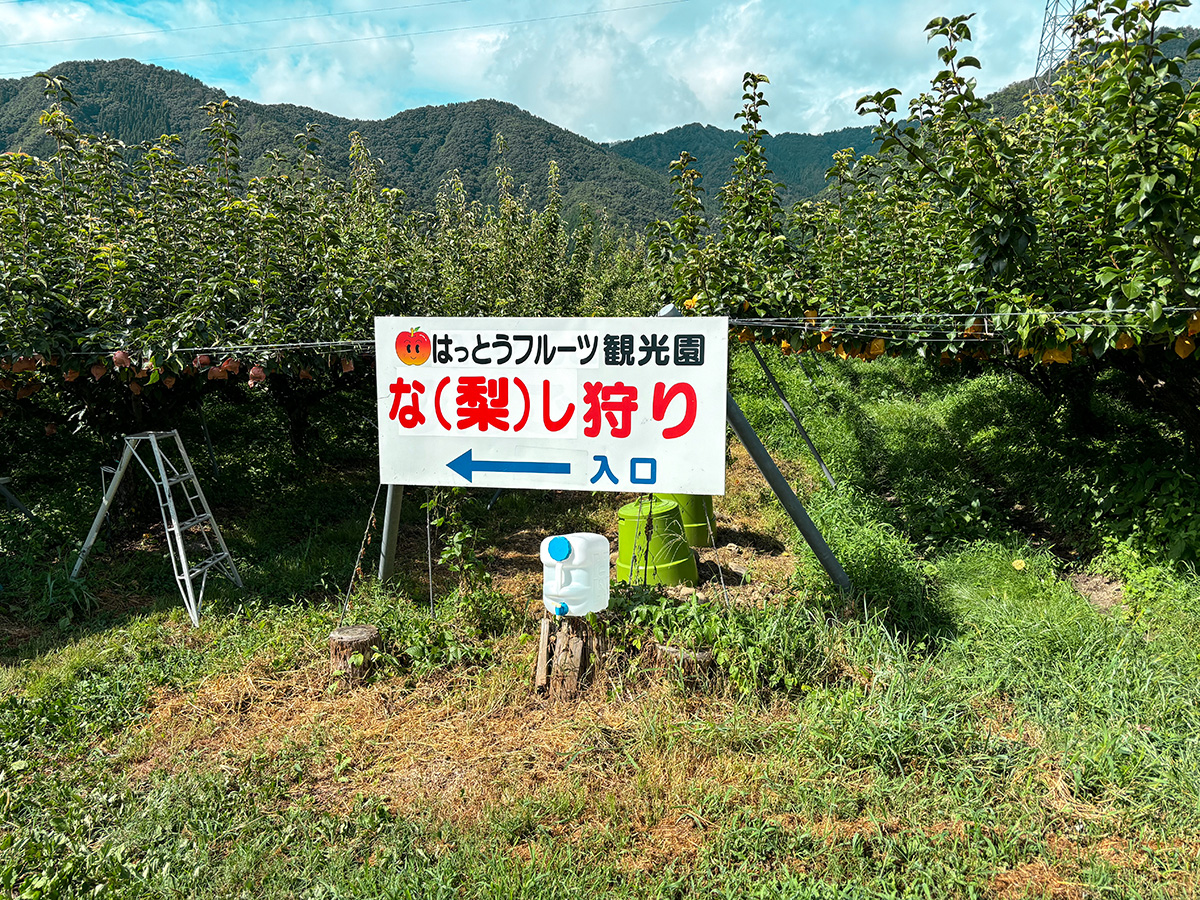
541, 674
351, 648
571, 658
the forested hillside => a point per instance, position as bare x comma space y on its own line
799, 161
1009, 101
419, 147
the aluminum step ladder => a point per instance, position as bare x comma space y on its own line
188, 521
10, 499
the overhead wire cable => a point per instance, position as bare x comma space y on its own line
899, 325
948, 315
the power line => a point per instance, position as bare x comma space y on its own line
169, 30
409, 34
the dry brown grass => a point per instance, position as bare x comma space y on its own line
455, 746
641, 770
999, 718
13, 636
1047, 778
672, 840
1035, 879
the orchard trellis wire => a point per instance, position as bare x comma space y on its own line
981, 327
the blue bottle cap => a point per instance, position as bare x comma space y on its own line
561, 610
559, 549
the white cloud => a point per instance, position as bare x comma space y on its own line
614, 75
590, 78
357, 79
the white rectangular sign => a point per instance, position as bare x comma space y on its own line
621, 404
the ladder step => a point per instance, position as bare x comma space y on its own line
194, 521
201, 568
181, 478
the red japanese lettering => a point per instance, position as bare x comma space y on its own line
550, 422
482, 403
437, 402
616, 402
409, 415
525, 395
662, 401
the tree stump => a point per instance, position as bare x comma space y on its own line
567, 660
693, 665
351, 649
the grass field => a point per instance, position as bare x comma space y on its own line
1006, 707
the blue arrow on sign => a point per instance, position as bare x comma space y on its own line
466, 467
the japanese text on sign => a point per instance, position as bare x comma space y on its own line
595, 404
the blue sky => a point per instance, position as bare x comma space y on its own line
607, 69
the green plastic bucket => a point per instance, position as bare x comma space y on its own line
666, 558
697, 513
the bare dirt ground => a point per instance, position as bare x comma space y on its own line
1103, 593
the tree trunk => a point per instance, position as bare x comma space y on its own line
295, 403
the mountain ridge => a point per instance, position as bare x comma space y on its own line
419, 147
799, 161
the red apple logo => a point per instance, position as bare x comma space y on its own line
413, 347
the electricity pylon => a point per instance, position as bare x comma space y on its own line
1057, 41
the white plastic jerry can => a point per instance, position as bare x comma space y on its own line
575, 573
